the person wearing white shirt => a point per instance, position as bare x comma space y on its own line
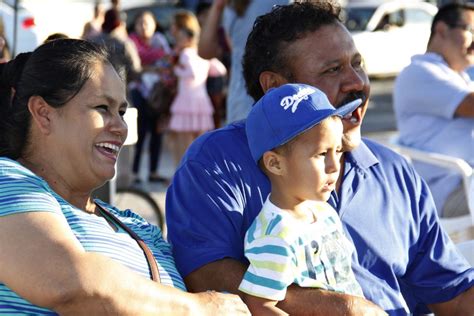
434, 103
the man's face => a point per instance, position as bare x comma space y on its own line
459, 42
329, 60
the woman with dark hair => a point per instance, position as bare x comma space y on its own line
121, 49
153, 49
61, 129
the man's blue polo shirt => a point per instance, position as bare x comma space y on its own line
403, 259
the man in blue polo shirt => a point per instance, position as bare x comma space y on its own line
434, 104
404, 261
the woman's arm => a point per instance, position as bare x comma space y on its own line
44, 263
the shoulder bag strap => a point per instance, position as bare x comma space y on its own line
155, 275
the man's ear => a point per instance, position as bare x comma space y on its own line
442, 29
273, 162
270, 79
41, 113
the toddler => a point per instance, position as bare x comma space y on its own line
295, 136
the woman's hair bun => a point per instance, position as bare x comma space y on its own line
10, 72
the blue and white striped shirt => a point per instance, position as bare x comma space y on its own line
23, 191
283, 250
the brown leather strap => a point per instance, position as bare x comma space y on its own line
155, 274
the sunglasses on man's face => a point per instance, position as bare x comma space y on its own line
465, 27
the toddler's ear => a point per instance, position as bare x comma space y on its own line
272, 162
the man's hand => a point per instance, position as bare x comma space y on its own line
225, 275
260, 306
361, 306
308, 301
461, 305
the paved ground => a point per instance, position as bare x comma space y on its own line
379, 124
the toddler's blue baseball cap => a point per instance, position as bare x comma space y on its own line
287, 111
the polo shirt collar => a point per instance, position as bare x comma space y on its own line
362, 157
437, 58
430, 56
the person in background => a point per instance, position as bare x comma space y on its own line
404, 260
62, 127
55, 36
237, 17
190, 5
152, 47
94, 27
5, 54
434, 104
122, 50
295, 137
216, 85
223, 52
116, 5
191, 110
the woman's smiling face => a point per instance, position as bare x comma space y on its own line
90, 130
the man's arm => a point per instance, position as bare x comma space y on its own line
208, 46
315, 302
226, 275
466, 107
463, 304
222, 275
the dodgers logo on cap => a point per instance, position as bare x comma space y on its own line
295, 99
287, 111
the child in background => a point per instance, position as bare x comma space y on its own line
191, 110
295, 135
216, 85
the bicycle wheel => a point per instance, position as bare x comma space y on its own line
140, 202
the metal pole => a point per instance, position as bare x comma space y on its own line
15, 27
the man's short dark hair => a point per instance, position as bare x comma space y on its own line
450, 14
273, 32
